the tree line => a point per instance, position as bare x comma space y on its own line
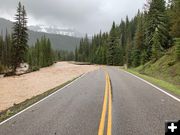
14, 48
42, 54
134, 42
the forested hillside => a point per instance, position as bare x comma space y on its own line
14, 48
60, 42
166, 68
41, 54
146, 37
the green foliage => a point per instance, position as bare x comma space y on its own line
156, 46
157, 20
165, 68
34, 68
5, 53
41, 55
144, 57
84, 50
19, 37
136, 58
95, 51
14, 49
103, 49
177, 44
114, 49
137, 55
133, 42
59, 42
1, 68
174, 13
159, 82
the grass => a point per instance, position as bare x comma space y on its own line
23, 105
167, 68
175, 89
165, 72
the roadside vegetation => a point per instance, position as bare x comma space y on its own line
175, 89
165, 72
166, 68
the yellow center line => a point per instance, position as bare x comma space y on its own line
107, 99
103, 115
109, 127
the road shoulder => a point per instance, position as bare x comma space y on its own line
165, 87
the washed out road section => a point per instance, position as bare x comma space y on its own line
137, 108
75, 110
16, 89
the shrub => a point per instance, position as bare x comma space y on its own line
177, 43
1, 69
34, 68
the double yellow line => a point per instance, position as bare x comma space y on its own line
107, 100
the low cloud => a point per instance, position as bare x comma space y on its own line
83, 15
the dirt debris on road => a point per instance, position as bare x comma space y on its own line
16, 89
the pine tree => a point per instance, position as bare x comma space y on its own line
138, 41
8, 44
156, 46
157, 19
128, 42
86, 48
24, 31
49, 53
76, 54
175, 18
42, 55
1, 54
112, 54
19, 37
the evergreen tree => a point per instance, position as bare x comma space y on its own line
113, 47
156, 46
1, 54
24, 32
158, 19
175, 18
138, 41
19, 37
42, 55
8, 51
76, 54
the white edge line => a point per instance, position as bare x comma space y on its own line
177, 99
43, 99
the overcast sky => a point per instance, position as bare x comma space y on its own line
86, 16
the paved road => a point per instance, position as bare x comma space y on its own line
137, 108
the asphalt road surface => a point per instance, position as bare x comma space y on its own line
94, 106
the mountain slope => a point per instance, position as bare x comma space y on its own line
61, 42
166, 68
56, 30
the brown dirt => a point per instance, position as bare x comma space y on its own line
19, 88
